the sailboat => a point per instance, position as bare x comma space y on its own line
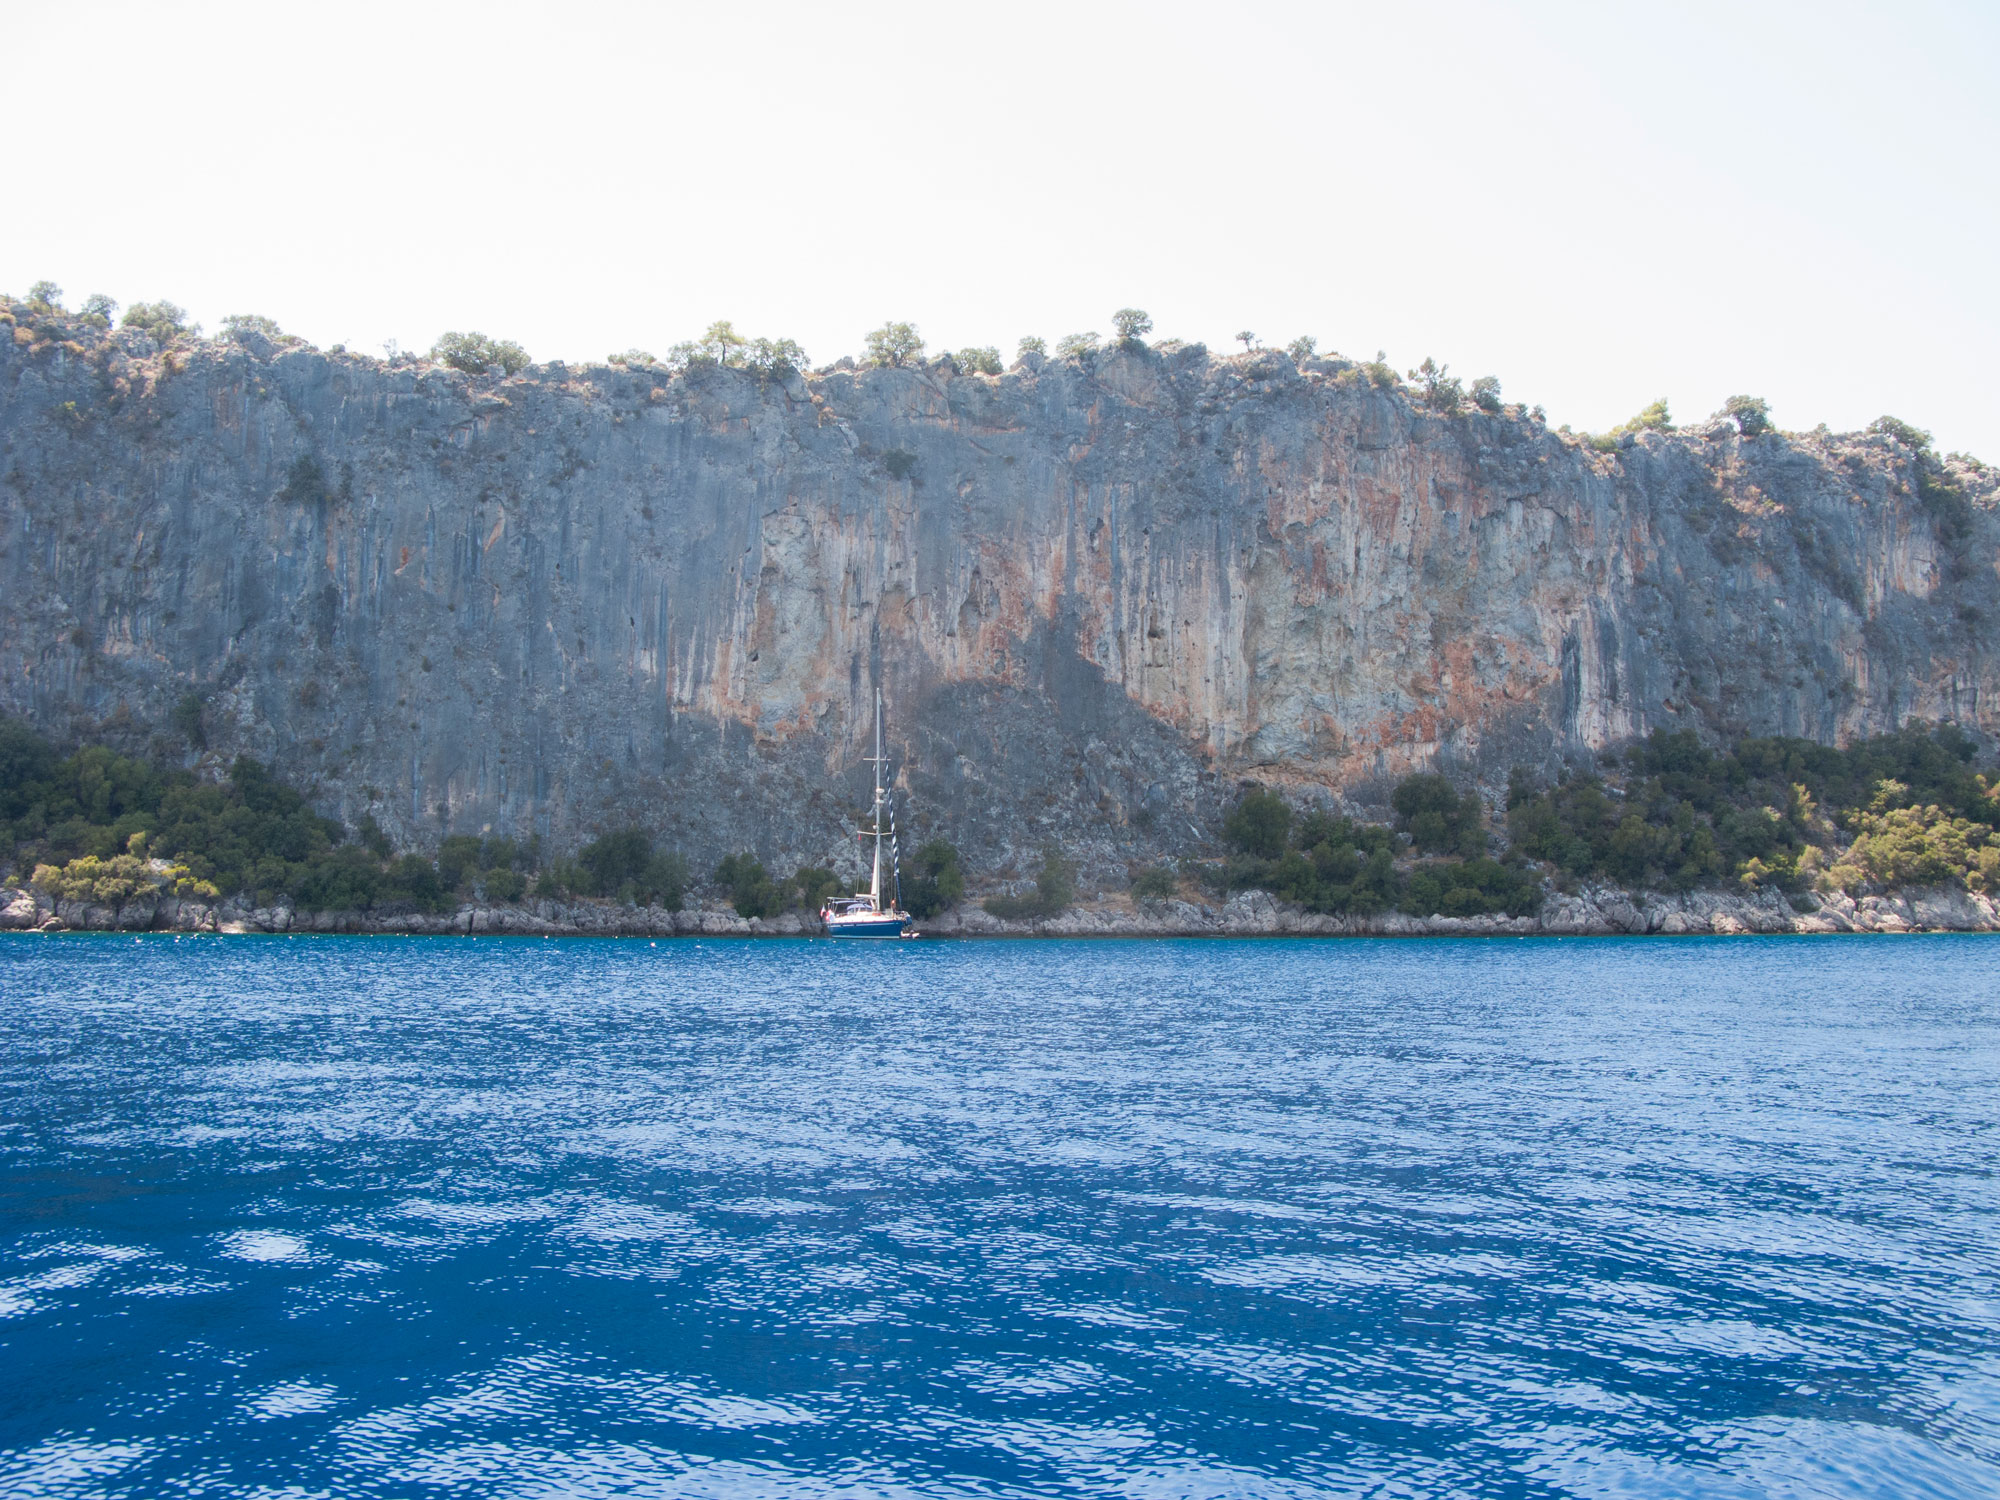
864, 914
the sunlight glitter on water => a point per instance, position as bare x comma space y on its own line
385, 1218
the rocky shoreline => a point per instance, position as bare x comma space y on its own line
1600, 911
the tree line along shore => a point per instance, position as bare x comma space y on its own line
1766, 834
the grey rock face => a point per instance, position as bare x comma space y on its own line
1097, 595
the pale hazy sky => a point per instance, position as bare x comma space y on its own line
1600, 204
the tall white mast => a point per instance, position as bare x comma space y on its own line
875, 881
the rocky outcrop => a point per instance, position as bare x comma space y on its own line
1098, 593
1593, 912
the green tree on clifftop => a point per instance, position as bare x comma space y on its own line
1131, 325
894, 344
476, 354
162, 322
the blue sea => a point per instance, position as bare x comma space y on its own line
294, 1217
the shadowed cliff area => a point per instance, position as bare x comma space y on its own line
1099, 592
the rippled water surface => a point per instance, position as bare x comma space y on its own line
299, 1217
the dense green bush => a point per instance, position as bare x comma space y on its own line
1330, 864
1437, 819
119, 878
625, 865
1653, 417
1334, 864
934, 882
476, 354
458, 859
162, 322
1442, 391
982, 360
1131, 324
614, 859
811, 885
1486, 393
1030, 344
248, 835
894, 344
240, 326
1901, 431
1258, 824
305, 482
720, 345
774, 359
1302, 348
1897, 842
1943, 495
1055, 888
1155, 883
1686, 815
187, 720
1469, 888
723, 347
749, 886
1752, 414
1076, 345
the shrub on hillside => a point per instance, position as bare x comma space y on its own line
476, 354
1944, 495
624, 866
1441, 390
1751, 414
1438, 819
934, 882
1765, 810
248, 835
119, 878
1258, 824
1897, 842
749, 886
1901, 431
1470, 888
810, 885
774, 359
239, 327
723, 347
1131, 325
1055, 888
894, 344
162, 322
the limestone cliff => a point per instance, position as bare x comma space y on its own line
1097, 593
